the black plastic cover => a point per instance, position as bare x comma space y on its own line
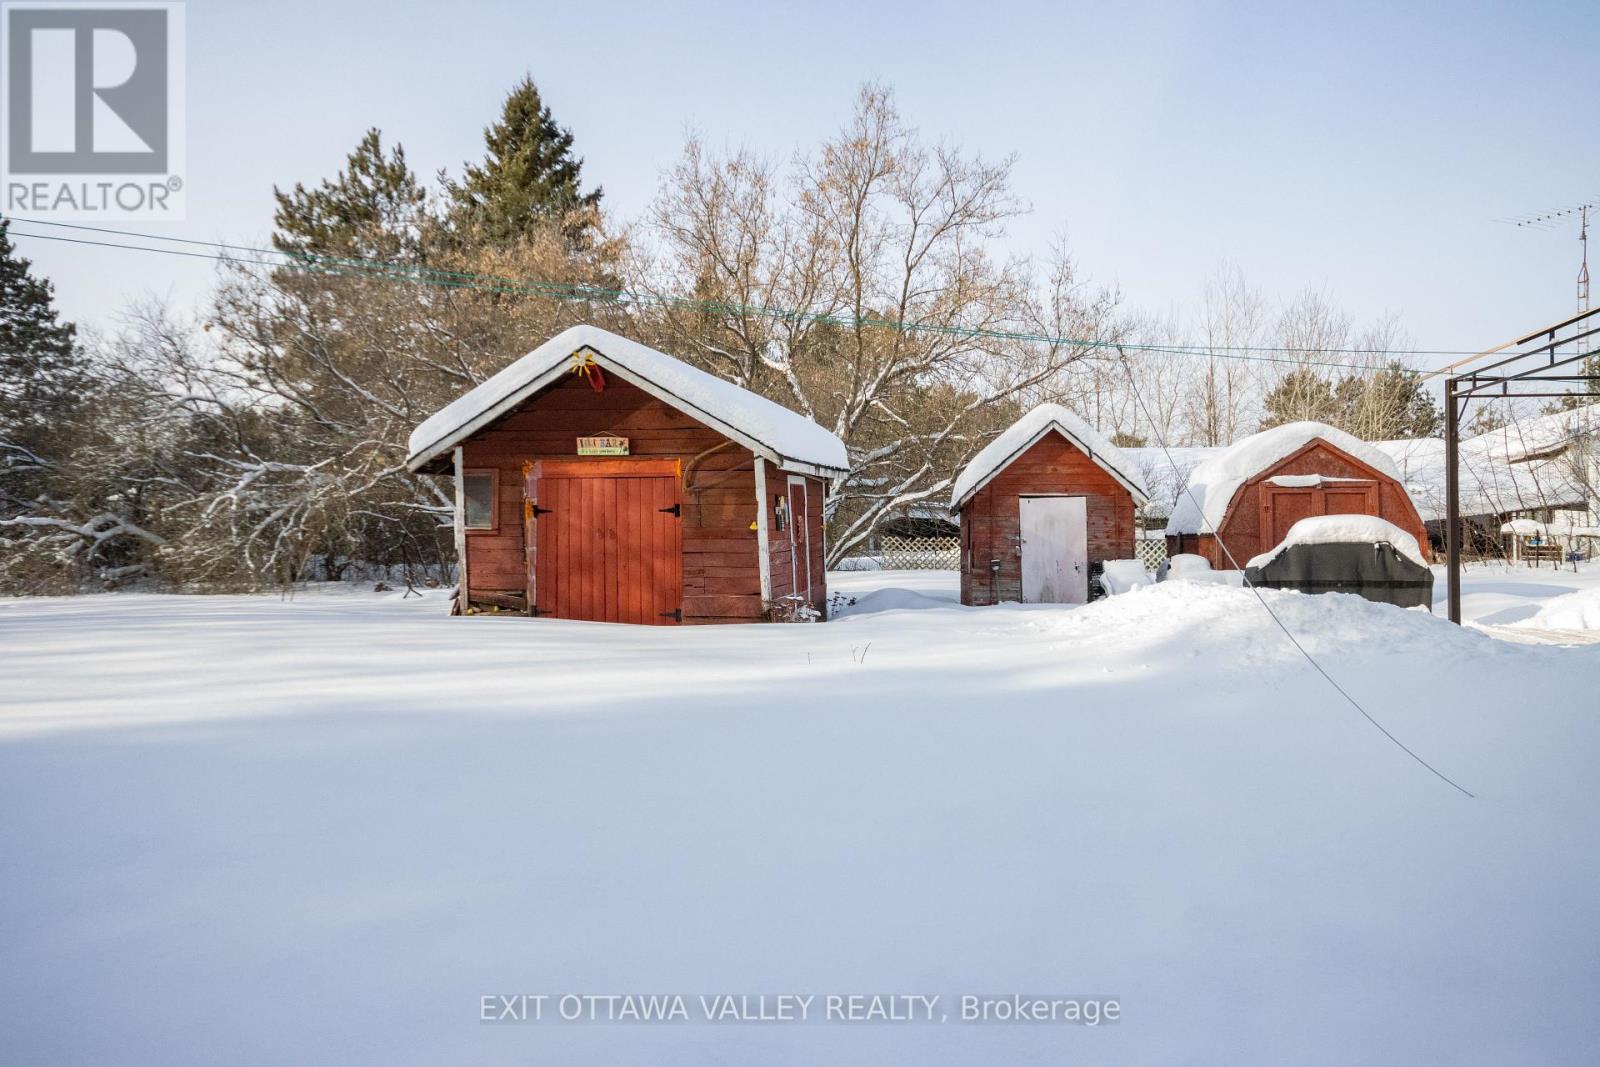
1372, 570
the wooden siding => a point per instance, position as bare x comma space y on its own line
991, 521
720, 578
1242, 526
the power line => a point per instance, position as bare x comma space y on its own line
1309, 658
417, 274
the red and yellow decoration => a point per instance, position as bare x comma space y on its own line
584, 366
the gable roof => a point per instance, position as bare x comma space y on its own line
1204, 503
791, 441
1026, 432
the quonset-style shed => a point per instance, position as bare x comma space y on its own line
600, 479
1042, 508
1250, 494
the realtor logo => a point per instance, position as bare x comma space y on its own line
93, 110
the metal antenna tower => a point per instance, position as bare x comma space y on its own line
1546, 220
1583, 269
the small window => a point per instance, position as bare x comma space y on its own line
479, 489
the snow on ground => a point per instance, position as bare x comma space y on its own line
1578, 611
251, 830
1498, 597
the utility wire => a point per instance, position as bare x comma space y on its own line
1216, 536
418, 274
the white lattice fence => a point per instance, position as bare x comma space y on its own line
1153, 551
921, 553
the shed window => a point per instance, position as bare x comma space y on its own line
478, 490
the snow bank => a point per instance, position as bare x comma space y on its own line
1341, 529
1188, 567
1210, 577
1123, 575
1213, 482
788, 439
1574, 611
1026, 431
320, 830
878, 590
1187, 564
893, 599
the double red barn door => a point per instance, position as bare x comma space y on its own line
605, 540
1283, 506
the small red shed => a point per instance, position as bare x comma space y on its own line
600, 479
1252, 492
1041, 507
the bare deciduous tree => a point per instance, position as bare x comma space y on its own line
1227, 390
860, 286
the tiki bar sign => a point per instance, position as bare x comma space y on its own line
606, 445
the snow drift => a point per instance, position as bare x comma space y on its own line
320, 830
1574, 611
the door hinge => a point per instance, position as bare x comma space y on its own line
676, 509
536, 611
676, 614
534, 511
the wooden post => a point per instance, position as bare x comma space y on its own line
763, 559
462, 601
1452, 500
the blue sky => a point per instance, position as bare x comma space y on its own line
1365, 150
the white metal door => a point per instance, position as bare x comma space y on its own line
1055, 550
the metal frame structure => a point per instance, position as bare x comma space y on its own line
1540, 363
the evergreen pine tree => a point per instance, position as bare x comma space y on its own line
528, 177
1387, 404
375, 208
1300, 395
41, 369
1589, 392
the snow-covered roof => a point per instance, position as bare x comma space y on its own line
1490, 483
1524, 439
1166, 471
790, 440
1344, 529
1200, 509
1026, 432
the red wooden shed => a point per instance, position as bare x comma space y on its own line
600, 479
1252, 492
1041, 507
